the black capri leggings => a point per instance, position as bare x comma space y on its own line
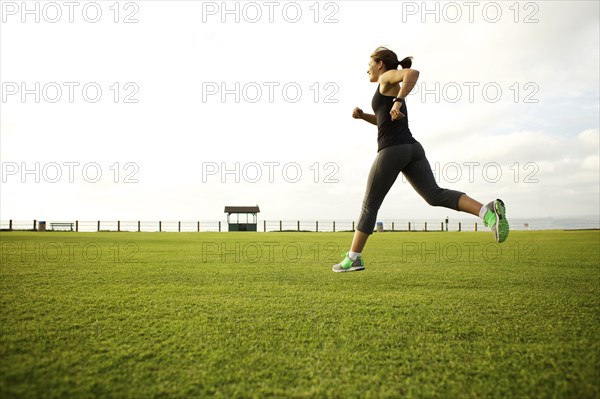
411, 161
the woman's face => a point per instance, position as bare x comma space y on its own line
375, 69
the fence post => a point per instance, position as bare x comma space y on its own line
179, 226
219, 226
353, 225
280, 228
459, 228
118, 225
198, 227
442, 226
10, 225
334, 226
475, 226
138, 226
425, 226
77, 225
34, 225
159, 226
317, 226
298, 225
392, 226
265, 225
408, 226
98, 225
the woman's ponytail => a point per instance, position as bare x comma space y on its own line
406, 63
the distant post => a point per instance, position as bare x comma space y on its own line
98, 225
77, 225
10, 225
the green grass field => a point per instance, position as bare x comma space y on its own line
448, 315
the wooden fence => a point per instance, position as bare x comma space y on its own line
220, 226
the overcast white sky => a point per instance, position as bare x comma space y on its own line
511, 89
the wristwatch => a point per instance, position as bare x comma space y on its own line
397, 99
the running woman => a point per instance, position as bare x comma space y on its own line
398, 151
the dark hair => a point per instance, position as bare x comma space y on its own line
390, 59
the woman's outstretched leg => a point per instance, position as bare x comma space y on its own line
420, 176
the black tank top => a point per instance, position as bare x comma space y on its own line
390, 132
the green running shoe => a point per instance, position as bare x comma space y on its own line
349, 265
495, 218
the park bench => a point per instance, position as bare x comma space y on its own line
62, 225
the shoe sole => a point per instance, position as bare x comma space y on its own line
350, 269
502, 228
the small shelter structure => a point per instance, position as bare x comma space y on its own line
247, 225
